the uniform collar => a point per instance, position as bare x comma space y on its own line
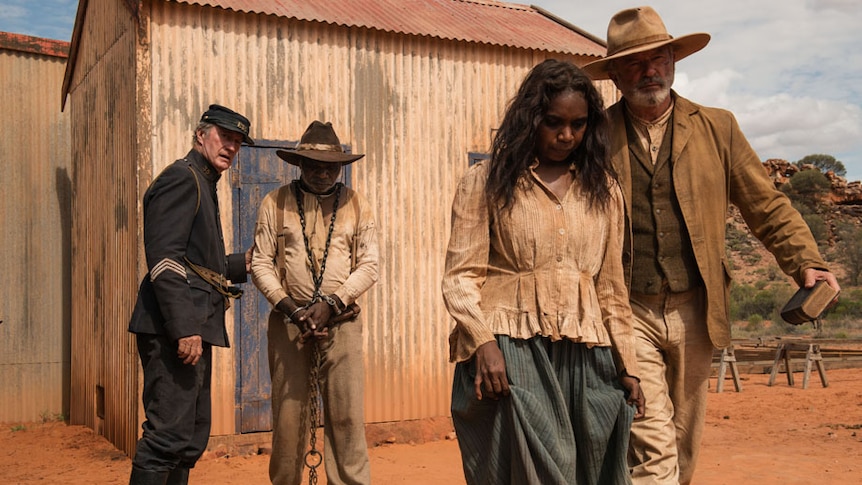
203, 166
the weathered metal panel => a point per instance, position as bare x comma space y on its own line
482, 21
104, 380
34, 230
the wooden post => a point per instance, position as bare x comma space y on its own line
778, 354
811, 356
728, 357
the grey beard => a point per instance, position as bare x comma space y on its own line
650, 99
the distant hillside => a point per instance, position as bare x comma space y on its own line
751, 262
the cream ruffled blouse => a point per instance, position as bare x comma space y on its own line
548, 267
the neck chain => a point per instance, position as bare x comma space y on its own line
317, 278
319, 195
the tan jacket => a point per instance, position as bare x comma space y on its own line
713, 166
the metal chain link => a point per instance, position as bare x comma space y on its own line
317, 278
313, 458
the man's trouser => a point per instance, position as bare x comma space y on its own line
176, 400
675, 360
342, 384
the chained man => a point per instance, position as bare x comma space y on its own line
316, 253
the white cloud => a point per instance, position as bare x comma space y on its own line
782, 125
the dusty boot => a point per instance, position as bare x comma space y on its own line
178, 476
147, 477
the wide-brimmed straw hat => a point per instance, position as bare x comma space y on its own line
318, 143
640, 29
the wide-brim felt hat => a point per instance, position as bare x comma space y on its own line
229, 120
641, 29
318, 143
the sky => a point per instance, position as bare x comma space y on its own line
789, 70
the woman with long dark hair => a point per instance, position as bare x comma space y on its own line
544, 390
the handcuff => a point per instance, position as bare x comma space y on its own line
332, 303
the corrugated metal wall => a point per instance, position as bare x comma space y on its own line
34, 234
102, 104
415, 106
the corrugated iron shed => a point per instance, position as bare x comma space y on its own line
486, 22
35, 193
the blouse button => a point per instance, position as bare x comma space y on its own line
562, 231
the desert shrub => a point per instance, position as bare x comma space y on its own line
755, 321
761, 300
738, 240
810, 183
818, 228
752, 258
850, 251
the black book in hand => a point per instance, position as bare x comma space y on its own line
807, 304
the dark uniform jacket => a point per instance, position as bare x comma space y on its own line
181, 221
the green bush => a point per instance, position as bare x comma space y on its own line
818, 228
760, 300
811, 183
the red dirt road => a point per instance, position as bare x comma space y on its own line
763, 435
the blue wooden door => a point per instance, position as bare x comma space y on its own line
256, 172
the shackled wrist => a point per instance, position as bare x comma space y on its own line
336, 309
293, 313
285, 305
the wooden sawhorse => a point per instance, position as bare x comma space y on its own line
812, 354
728, 358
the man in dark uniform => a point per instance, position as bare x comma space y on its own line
179, 314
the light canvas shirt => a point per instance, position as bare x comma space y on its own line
548, 267
353, 218
651, 133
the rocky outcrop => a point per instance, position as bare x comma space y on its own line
842, 192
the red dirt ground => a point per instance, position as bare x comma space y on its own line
762, 435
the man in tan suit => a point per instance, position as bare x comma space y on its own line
680, 165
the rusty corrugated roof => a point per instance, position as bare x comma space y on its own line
481, 21
34, 45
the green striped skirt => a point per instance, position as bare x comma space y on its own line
566, 420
